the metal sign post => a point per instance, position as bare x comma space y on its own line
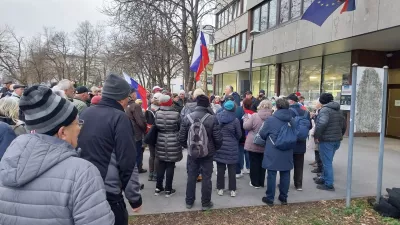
382, 135
351, 134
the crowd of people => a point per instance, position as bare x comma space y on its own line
78, 153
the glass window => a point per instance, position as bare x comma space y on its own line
228, 47
271, 89
223, 46
244, 9
272, 13
237, 39
264, 17
229, 14
233, 47
255, 86
289, 79
310, 78
307, 4
284, 13
238, 7
243, 82
230, 79
296, 8
256, 19
244, 42
335, 66
263, 79
233, 10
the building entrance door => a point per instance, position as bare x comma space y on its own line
393, 114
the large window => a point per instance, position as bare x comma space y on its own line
230, 12
255, 79
289, 77
271, 89
335, 66
266, 15
231, 46
263, 78
310, 78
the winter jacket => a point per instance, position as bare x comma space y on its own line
107, 141
15, 97
231, 134
7, 135
330, 124
18, 128
255, 105
150, 114
253, 124
236, 96
212, 127
79, 104
135, 114
168, 148
177, 106
275, 159
311, 145
301, 145
4, 92
43, 182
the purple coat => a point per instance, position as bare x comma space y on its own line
253, 124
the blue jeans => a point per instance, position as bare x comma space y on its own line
243, 155
284, 184
139, 154
327, 151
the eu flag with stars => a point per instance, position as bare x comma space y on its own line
320, 10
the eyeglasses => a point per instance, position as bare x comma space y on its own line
80, 123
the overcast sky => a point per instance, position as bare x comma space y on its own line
28, 17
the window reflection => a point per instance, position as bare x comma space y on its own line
264, 17
256, 19
335, 66
310, 78
272, 13
296, 8
284, 14
289, 79
271, 90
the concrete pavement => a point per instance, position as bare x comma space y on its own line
364, 180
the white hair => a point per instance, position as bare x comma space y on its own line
198, 92
64, 84
181, 92
265, 104
56, 90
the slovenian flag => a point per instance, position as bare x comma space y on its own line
349, 5
200, 57
140, 90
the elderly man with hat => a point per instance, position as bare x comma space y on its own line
330, 127
18, 90
5, 90
107, 140
157, 89
81, 98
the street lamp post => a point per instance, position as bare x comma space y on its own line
252, 33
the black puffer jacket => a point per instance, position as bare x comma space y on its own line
168, 148
330, 125
212, 126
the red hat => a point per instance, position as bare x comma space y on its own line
298, 94
166, 100
95, 100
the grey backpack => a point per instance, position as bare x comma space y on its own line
197, 139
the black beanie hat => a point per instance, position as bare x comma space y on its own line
203, 100
293, 97
325, 98
115, 87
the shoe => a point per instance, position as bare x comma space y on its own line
157, 192
141, 186
268, 202
233, 193
220, 192
316, 178
199, 178
240, 175
316, 170
170, 193
189, 206
325, 188
251, 185
319, 174
299, 189
141, 170
246, 171
283, 201
207, 207
319, 181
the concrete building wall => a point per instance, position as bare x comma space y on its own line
370, 16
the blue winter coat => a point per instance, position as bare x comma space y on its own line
7, 135
275, 159
231, 133
301, 146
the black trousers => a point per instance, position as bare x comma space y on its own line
257, 172
167, 168
194, 165
153, 161
298, 160
221, 167
318, 160
120, 212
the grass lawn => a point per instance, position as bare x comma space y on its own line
314, 213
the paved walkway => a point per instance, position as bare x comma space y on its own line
364, 180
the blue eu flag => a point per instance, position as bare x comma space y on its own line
320, 10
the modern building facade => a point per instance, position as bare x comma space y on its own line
293, 55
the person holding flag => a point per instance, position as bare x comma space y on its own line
200, 57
